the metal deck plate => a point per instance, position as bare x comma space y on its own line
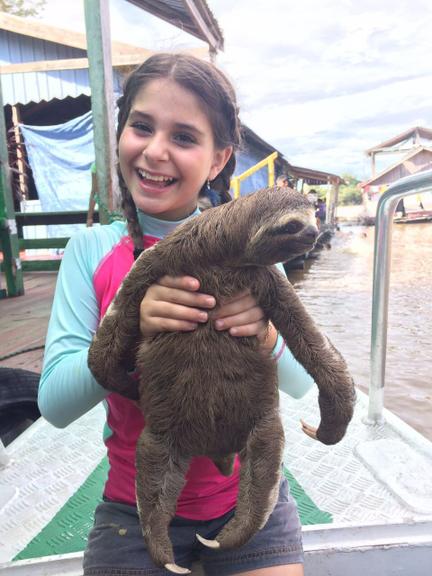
47, 466
407, 473
354, 489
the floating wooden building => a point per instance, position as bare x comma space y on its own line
413, 149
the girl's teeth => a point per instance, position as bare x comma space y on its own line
147, 176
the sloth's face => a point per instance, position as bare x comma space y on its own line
285, 230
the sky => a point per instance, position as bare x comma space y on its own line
320, 80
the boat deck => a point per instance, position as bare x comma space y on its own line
24, 321
376, 476
373, 487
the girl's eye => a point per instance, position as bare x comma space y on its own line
141, 127
184, 139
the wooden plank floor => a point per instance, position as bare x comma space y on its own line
24, 321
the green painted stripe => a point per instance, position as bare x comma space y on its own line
308, 511
67, 532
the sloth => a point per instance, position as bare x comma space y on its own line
206, 393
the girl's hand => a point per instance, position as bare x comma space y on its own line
174, 304
243, 317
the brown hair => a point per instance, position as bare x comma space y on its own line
213, 90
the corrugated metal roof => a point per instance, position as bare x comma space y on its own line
379, 178
309, 175
192, 16
36, 86
415, 134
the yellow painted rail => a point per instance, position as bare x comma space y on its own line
268, 161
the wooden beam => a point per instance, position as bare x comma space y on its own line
212, 40
22, 171
35, 29
11, 265
332, 201
42, 243
393, 150
46, 218
191, 16
168, 12
41, 265
118, 61
44, 66
102, 102
71, 63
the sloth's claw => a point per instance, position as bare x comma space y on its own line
209, 543
177, 569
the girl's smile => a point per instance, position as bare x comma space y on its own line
167, 151
154, 183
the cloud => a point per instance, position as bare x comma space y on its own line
321, 80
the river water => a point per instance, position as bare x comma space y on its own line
337, 291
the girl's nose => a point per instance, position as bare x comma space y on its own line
156, 148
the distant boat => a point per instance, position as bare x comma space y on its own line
418, 217
413, 215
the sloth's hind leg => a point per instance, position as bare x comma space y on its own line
159, 481
260, 475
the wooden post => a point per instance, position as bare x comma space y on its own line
8, 229
332, 202
271, 173
19, 142
102, 102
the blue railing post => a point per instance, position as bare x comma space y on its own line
415, 184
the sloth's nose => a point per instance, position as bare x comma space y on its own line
311, 233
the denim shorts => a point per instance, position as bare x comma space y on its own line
116, 546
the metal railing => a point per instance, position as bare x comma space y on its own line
268, 161
416, 184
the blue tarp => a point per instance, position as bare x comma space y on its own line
257, 180
60, 157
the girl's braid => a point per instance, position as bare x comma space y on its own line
222, 182
130, 212
127, 204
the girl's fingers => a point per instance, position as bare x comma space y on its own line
177, 312
252, 317
181, 290
181, 282
166, 317
241, 316
158, 325
173, 304
258, 329
241, 303
182, 297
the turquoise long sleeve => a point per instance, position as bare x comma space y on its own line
67, 389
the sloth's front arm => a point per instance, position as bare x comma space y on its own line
318, 356
111, 356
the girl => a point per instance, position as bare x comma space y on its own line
178, 130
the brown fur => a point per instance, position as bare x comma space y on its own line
205, 392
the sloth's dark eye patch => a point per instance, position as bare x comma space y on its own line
291, 227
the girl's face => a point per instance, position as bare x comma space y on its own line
166, 150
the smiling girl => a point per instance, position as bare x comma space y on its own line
178, 130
